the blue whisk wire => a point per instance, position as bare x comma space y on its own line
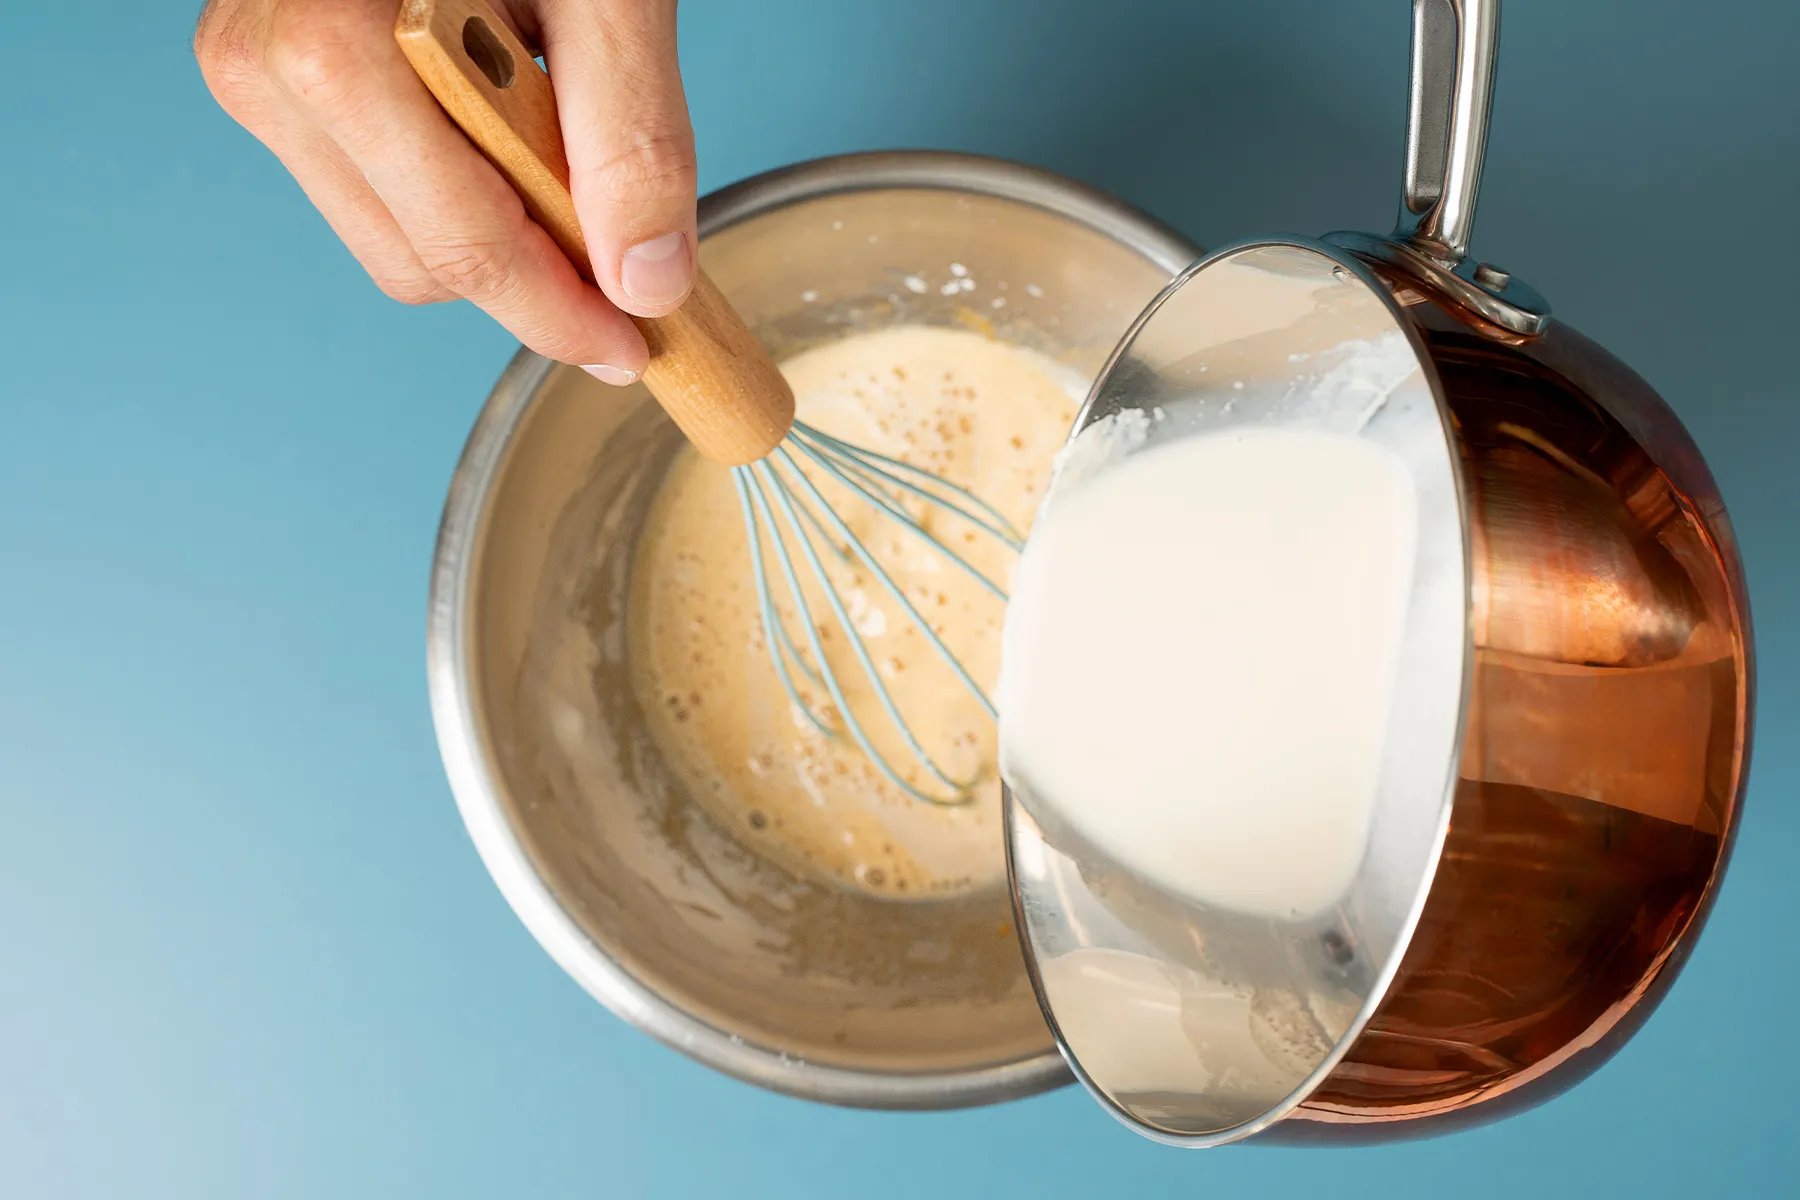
777, 484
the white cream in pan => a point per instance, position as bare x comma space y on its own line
1199, 654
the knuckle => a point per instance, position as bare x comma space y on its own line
412, 288
478, 269
656, 162
228, 62
316, 52
216, 18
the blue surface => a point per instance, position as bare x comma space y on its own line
245, 947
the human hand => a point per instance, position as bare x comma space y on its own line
323, 84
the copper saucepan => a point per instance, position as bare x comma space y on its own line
1537, 873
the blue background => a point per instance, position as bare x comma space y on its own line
245, 946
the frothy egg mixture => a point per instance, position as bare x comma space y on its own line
985, 415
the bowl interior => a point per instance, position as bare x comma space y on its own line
767, 960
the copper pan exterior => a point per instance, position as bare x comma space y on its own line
1606, 745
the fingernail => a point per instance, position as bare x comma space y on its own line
658, 271
616, 376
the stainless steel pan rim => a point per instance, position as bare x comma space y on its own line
1434, 822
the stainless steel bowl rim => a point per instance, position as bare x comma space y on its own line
449, 669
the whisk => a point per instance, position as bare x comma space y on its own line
723, 391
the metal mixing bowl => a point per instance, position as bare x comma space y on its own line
647, 902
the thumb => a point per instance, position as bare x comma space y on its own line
630, 145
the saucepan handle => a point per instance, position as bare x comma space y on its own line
1454, 45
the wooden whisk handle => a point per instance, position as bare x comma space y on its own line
706, 368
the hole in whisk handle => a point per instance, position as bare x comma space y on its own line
488, 52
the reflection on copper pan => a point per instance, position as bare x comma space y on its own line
1604, 750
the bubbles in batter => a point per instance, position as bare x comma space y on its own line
983, 414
